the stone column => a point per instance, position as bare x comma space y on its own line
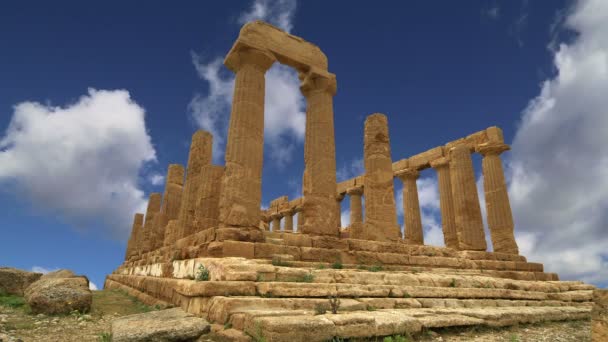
599, 316
356, 207
199, 156
498, 208
241, 193
411, 207
300, 214
339, 199
138, 221
276, 222
448, 223
467, 212
207, 208
148, 229
380, 222
288, 215
172, 200
319, 185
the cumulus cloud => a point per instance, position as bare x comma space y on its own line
558, 168
350, 169
92, 286
43, 270
284, 116
156, 179
277, 12
80, 161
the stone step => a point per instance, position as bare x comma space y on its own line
281, 326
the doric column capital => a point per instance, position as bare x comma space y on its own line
440, 163
313, 82
492, 148
357, 191
408, 174
287, 212
242, 55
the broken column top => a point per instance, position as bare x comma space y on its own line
175, 174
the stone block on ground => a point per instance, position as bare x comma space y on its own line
59, 295
165, 325
14, 281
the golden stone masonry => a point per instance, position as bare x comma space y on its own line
270, 271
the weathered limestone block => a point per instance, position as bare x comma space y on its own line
446, 204
469, 224
138, 221
319, 183
380, 222
208, 203
241, 189
498, 208
147, 235
411, 207
199, 156
599, 316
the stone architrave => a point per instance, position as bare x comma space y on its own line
467, 212
380, 222
411, 207
241, 189
138, 221
207, 209
498, 208
148, 230
172, 200
319, 185
288, 216
446, 204
199, 156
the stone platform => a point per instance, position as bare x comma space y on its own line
288, 300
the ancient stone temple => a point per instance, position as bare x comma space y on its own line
207, 246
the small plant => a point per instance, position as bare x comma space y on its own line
202, 274
514, 338
415, 270
258, 336
321, 266
388, 339
361, 267
278, 261
334, 303
227, 326
308, 278
371, 308
400, 338
320, 309
105, 337
406, 295
453, 283
11, 301
337, 265
375, 268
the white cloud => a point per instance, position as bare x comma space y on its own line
559, 166
492, 12
345, 218
92, 286
156, 179
43, 270
277, 12
351, 169
80, 161
284, 115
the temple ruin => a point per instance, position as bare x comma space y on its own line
269, 275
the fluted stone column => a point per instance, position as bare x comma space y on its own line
276, 222
339, 199
380, 222
138, 221
599, 316
319, 185
498, 208
467, 212
148, 230
446, 204
207, 208
288, 215
241, 192
170, 207
411, 207
356, 207
298, 211
199, 156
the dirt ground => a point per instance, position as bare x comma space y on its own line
16, 324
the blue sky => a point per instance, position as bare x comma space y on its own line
97, 99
